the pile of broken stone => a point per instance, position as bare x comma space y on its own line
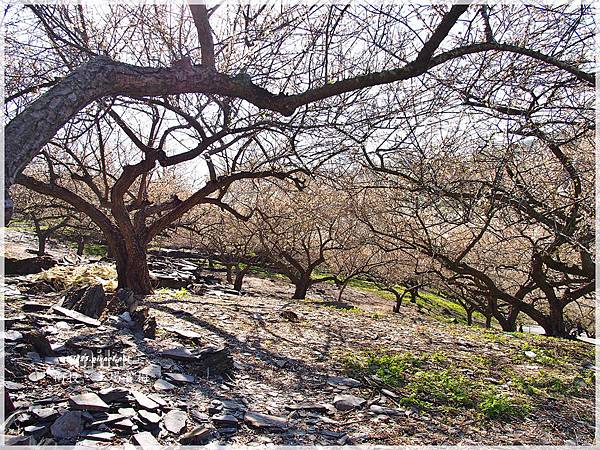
88, 322
115, 414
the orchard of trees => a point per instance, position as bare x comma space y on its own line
442, 148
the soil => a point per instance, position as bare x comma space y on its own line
280, 363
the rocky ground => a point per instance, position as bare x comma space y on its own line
294, 372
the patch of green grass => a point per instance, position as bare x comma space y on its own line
545, 383
264, 273
495, 336
499, 406
96, 249
431, 381
442, 387
391, 369
177, 294
181, 293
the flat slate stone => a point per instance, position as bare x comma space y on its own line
179, 353
343, 381
175, 421
110, 418
180, 377
144, 401
152, 371
12, 386
149, 416
260, 420
32, 429
225, 420
104, 436
163, 385
199, 416
347, 402
12, 335
157, 399
67, 426
389, 393
77, 316
36, 376
110, 395
125, 424
184, 333
377, 409
319, 407
127, 412
146, 441
88, 401
44, 413
198, 435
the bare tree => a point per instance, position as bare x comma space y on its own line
92, 63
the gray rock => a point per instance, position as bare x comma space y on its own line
33, 429
110, 395
163, 385
36, 376
319, 407
144, 401
152, 371
347, 402
104, 436
127, 412
225, 420
388, 393
343, 382
199, 416
109, 418
179, 353
88, 402
198, 435
77, 316
89, 301
62, 325
157, 399
180, 377
259, 420
184, 333
175, 421
386, 411
125, 424
148, 416
146, 441
67, 426
12, 336
12, 386
44, 413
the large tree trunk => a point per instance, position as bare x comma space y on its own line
80, 245
469, 312
239, 278
554, 325
132, 267
342, 289
508, 323
302, 284
488, 321
399, 298
42, 238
